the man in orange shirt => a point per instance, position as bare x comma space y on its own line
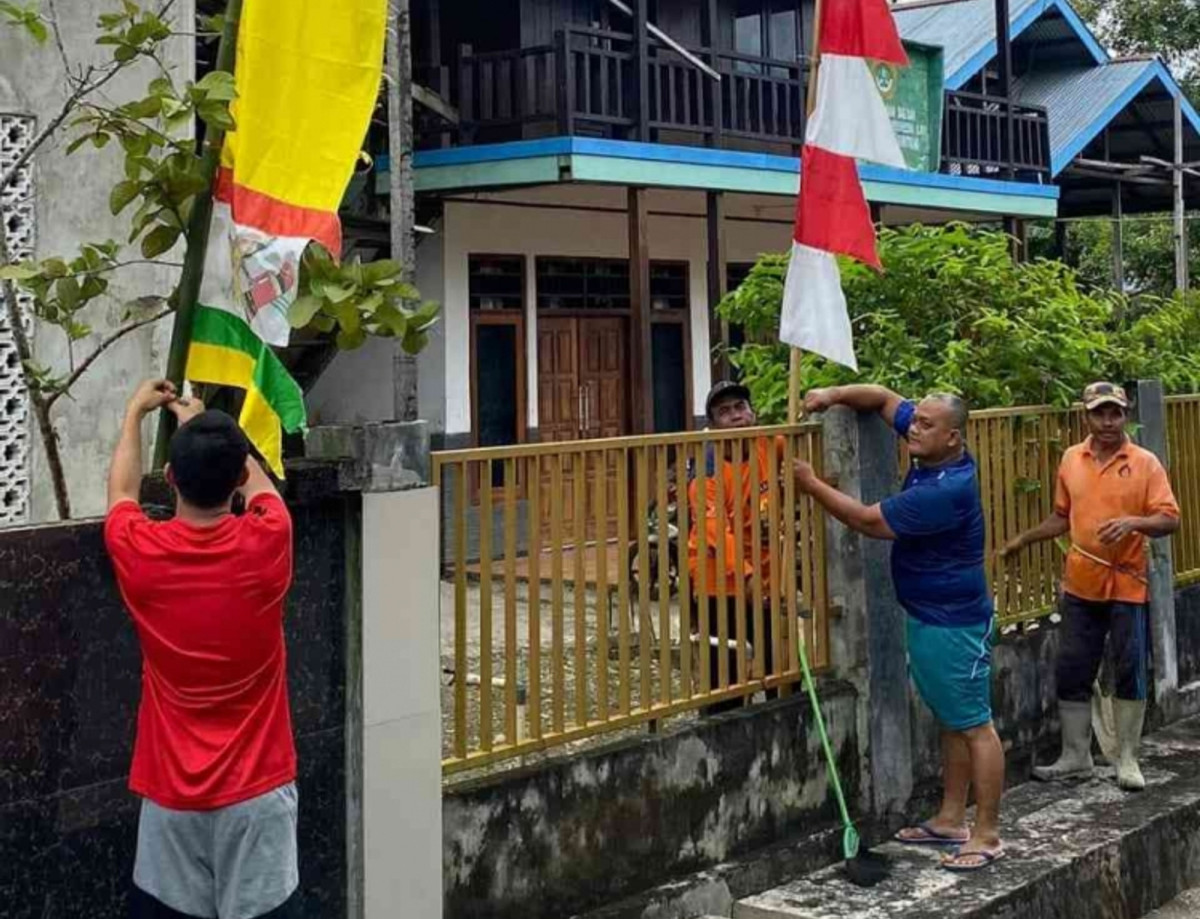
1111, 495
728, 407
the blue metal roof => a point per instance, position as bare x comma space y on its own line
1082, 101
966, 30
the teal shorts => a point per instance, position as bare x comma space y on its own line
952, 668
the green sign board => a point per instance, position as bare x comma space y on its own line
913, 96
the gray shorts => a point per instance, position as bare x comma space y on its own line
235, 862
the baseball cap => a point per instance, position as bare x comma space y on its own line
1098, 394
726, 389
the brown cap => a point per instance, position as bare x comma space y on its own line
1098, 394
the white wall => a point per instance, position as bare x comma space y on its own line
402, 769
72, 207
493, 226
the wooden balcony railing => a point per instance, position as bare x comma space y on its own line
588, 82
975, 137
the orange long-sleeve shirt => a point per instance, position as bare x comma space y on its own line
720, 521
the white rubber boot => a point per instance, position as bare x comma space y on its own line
1076, 759
1130, 717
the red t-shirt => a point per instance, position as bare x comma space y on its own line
214, 726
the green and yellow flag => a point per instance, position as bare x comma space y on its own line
307, 75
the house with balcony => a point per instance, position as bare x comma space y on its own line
597, 173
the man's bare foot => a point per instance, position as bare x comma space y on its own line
934, 832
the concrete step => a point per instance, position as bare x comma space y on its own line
1081, 851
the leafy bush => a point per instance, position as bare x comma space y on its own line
953, 312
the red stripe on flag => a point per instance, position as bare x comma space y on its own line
277, 218
861, 28
832, 212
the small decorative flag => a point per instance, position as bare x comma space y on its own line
307, 76
832, 215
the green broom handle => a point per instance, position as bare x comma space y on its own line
816, 707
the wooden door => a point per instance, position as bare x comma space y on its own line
558, 379
603, 371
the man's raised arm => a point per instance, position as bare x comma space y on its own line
860, 397
125, 473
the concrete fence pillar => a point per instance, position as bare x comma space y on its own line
1150, 415
867, 633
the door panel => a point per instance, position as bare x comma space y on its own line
558, 379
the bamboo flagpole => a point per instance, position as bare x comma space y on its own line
795, 409
199, 223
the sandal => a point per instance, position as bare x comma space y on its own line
964, 862
925, 835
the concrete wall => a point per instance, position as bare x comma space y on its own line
70, 675
71, 207
566, 221
574, 834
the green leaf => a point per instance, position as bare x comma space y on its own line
218, 85
122, 194
303, 311
68, 293
159, 240
18, 272
54, 268
349, 341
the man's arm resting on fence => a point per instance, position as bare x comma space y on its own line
861, 398
1051, 528
862, 518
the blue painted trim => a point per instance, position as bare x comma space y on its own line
1032, 14
1155, 70
705, 156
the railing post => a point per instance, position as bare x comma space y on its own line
715, 89
466, 95
566, 83
1150, 414
641, 68
866, 631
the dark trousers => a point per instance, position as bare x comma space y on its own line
729, 610
1086, 626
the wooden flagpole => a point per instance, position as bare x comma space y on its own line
197, 242
794, 407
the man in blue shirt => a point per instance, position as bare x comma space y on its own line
937, 530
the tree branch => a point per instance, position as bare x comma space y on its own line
103, 346
41, 410
85, 89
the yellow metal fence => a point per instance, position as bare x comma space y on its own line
1183, 446
1017, 451
569, 606
569, 609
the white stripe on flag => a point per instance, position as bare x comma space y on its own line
850, 117
814, 316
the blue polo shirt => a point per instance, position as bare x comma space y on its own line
937, 558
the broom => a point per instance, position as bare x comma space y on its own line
864, 868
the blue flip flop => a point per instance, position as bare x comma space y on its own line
931, 837
986, 856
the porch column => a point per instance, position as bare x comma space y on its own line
1181, 235
718, 328
642, 375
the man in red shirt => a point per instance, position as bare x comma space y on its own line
214, 759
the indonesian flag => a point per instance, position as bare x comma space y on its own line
307, 75
832, 217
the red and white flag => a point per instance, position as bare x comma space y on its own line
832, 217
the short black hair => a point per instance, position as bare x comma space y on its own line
208, 455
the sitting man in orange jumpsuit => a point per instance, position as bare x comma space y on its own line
718, 582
